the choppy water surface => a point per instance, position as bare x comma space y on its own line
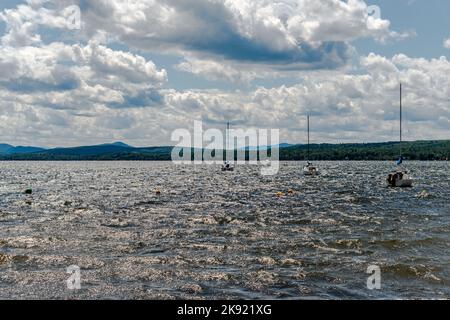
210, 234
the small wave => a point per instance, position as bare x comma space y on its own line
268, 261
8, 259
347, 244
23, 242
192, 288
424, 195
403, 243
324, 221
412, 271
389, 243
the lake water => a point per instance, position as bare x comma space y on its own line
215, 235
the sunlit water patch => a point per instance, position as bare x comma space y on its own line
145, 230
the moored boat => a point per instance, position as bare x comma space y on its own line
400, 178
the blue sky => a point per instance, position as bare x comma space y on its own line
428, 18
136, 71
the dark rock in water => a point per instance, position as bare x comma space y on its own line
29, 191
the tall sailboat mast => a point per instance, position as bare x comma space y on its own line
309, 169
401, 122
228, 135
227, 165
400, 178
308, 138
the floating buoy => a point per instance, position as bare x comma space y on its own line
423, 195
28, 191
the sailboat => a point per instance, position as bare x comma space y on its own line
227, 165
309, 169
400, 178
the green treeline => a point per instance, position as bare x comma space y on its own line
419, 150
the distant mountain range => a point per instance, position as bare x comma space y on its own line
9, 149
111, 151
419, 150
280, 146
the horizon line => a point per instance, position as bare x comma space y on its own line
124, 144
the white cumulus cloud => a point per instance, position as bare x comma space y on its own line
447, 43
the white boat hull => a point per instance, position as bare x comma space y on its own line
227, 167
400, 179
404, 183
310, 171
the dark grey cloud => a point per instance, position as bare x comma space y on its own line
28, 85
144, 99
210, 28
